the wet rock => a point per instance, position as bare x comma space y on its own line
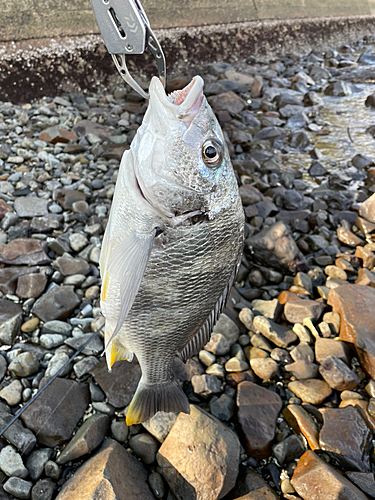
11, 463
278, 334
43, 490
338, 375
314, 479
24, 251
112, 473
36, 462
145, 447
355, 304
71, 398
10, 320
301, 422
312, 391
56, 303
199, 458
119, 386
30, 206
289, 449
258, 409
88, 437
18, 487
347, 437
275, 247
24, 365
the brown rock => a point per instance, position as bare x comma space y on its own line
295, 311
365, 278
10, 275
355, 304
367, 257
10, 320
31, 285
56, 303
24, 251
120, 384
367, 209
312, 391
62, 404
314, 479
362, 406
199, 458
347, 438
258, 409
331, 347
68, 265
303, 370
235, 378
66, 197
301, 422
338, 375
56, 134
280, 335
111, 474
4, 208
348, 238
85, 127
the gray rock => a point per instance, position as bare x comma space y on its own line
207, 358
23, 439
18, 487
36, 462
264, 368
52, 470
78, 241
228, 328
24, 365
11, 463
223, 408
288, 450
68, 265
93, 348
43, 490
145, 447
303, 370
218, 345
88, 437
56, 303
338, 375
160, 424
278, 334
50, 340
10, 320
57, 361
156, 483
84, 366
302, 352
268, 308
30, 206
120, 430
56, 326
205, 384
24, 251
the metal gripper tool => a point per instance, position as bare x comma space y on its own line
126, 30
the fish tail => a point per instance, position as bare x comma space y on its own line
149, 399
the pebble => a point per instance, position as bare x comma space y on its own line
12, 393
18, 487
24, 365
264, 368
204, 384
119, 430
11, 463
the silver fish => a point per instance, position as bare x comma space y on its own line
172, 246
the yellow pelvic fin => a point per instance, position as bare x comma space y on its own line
104, 287
118, 353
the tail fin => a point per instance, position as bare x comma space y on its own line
149, 399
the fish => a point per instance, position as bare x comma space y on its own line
172, 246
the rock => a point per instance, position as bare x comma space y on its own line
83, 367
93, 348
288, 450
56, 134
364, 480
30, 206
355, 304
18, 487
258, 409
88, 437
367, 209
24, 365
297, 310
264, 368
250, 195
301, 422
66, 197
24, 251
31, 285
199, 442
312, 391
346, 437
57, 327
367, 257
365, 278
111, 473
331, 347
218, 345
228, 328
3, 367
10, 320
78, 241
314, 479
71, 398
30, 325
338, 89
11, 463
227, 101
56, 303
236, 364
223, 408
160, 424
10, 275
251, 486
120, 430
145, 447
278, 334
36, 462
338, 375
85, 127
50, 341
270, 309
68, 265
23, 439
302, 352
156, 483
303, 370
119, 386
12, 393
274, 246
43, 490
206, 357
317, 170
206, 384
348, 238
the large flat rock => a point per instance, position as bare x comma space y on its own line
112, 474
199, 457
57, 303
356, 305
24, 251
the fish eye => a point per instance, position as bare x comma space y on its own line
212, 152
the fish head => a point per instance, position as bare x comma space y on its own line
181, 160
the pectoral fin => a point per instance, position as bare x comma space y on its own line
127, 264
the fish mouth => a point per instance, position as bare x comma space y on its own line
184, 103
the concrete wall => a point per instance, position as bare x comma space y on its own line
25, 19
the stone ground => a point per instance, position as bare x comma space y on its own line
283, 396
